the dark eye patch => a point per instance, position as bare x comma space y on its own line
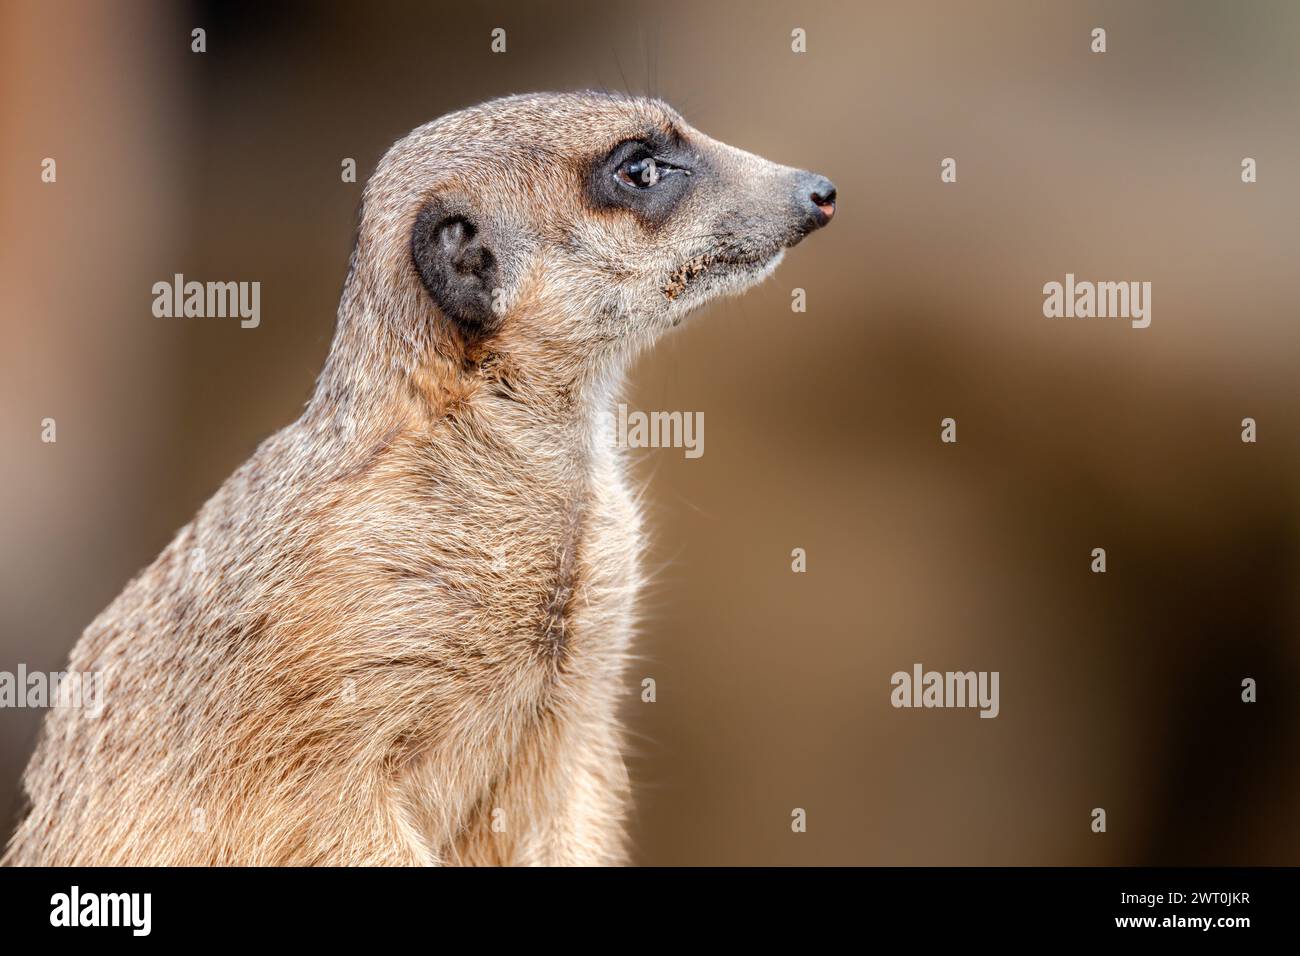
654, 205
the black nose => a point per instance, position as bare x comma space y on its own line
819, 197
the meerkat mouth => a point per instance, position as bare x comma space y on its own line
720, 266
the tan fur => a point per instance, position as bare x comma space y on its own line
407, 616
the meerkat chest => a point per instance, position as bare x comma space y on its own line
573, 578
505, 570
609, 566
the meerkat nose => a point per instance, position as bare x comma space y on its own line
820, 199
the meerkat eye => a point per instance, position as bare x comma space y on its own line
646, 177
640, 173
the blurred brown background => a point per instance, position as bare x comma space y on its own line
924, 301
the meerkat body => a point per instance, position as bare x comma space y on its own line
397, 634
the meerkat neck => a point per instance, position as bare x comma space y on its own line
389, 373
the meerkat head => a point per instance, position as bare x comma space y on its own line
573, 226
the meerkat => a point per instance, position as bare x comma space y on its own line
398, 633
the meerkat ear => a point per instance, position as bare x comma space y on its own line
457, 268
